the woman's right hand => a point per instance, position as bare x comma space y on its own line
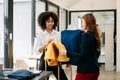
49, 41
45, 45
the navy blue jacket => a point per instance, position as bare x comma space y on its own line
88, 54
23, 74
71, 40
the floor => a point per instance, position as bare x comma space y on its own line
108, 75
104, 75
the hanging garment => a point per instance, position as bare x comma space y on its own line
71, 39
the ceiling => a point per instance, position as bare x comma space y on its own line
65, 3
69, 3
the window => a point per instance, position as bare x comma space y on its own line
79, 22
22, 30
22, 39
40, 7
76, 19
63, 19
54, 8
106, 20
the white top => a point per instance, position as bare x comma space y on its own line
43, 37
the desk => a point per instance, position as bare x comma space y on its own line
6, 78
43, 75
37, 58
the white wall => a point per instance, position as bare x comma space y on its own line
94, 5
1, 32
109, 47
118, 35
59, 3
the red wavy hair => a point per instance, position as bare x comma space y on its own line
92, 26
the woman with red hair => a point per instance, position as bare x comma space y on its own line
88, 68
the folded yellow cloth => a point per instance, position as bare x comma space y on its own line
52, 55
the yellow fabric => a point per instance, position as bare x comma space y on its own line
52, 55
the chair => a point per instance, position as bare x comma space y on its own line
21, 64
1, 66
